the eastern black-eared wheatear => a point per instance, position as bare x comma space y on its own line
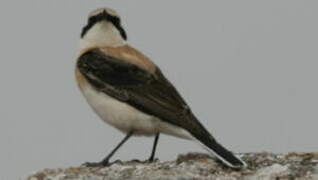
128, 91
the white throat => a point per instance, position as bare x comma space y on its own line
102, 34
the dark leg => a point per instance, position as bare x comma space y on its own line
152, 156
105, 161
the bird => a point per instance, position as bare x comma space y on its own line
129, 91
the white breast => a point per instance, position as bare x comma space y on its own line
120, 115
126, 118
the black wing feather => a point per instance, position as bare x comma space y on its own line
150, 93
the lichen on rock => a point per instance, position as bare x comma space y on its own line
261, 166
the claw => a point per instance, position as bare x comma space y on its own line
96, 164
136, 161
151, 160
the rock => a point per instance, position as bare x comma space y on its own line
264, 166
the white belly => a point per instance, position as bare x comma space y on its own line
126, 118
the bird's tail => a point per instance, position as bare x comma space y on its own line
223, 154
204, 138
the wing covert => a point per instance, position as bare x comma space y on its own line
148, 92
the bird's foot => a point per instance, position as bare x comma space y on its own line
136, 161
151, 160
94, 164
100, 164
145, 161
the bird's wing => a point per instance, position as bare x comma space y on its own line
148, 92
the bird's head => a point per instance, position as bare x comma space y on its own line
104, 28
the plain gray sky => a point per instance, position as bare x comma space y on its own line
248, 69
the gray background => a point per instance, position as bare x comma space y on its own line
248, 69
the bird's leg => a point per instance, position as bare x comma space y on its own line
152, 156
105, 161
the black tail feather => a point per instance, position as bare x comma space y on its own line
212, 146
223, 154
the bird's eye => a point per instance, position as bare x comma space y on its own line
91, 20
115, 20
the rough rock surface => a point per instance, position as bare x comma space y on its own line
261, 166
